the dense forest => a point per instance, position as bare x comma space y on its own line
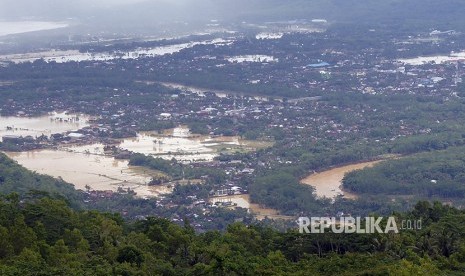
438, 174
43, 236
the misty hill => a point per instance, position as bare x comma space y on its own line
368, 11
146, 13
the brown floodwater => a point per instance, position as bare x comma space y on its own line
87, 165
218, 93
98, 172
43, 125
328, 183
180, 144
258, 211
176, 143
179, 147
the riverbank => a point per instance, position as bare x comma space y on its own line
101, 173
329, 183
243, 201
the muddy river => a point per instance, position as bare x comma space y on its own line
328, 183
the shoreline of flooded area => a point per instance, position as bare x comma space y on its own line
435, 59
179, 143
328, 183
219, 93
98, 172
185, 149
54, 122
243, 201
64, 56
87, 163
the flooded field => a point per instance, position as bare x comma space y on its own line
76, 56
453, 57
177, 146
269, 35
218, 93
88, 165
243, 201
98, 172
178, 143
46, 125
328, 183
252, 58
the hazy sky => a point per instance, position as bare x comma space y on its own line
26, 4
115, 15
56, 8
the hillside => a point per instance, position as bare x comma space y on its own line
45, 237
15, 178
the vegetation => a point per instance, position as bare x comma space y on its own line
343, 126
379, 136
12, 147
284, 192
49, 228
438, 174
14, 178
176, 170
31, 185
43, 236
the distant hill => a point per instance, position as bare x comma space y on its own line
333, 9
427, 13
